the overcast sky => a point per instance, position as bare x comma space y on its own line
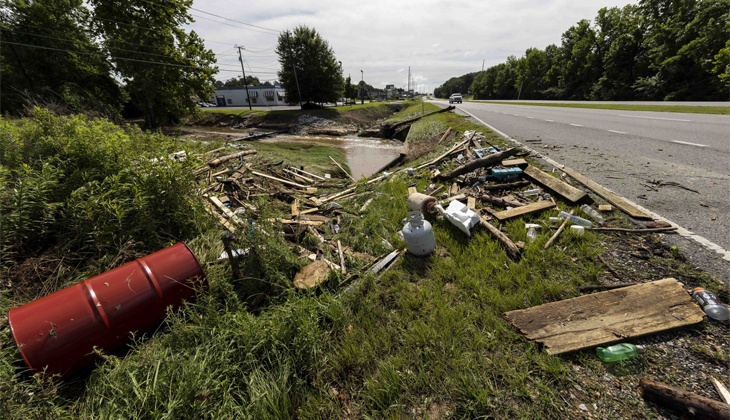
437, 39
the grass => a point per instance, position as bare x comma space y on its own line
315, 158
413, 109
426, 339
689, 109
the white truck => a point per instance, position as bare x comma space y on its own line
455, 97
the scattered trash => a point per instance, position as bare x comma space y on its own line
137, 302
235, 252
327, 176
423, 203
460, 216
418, 235
658, 224
535, 191
578, 230
505, 174
531, 231
605, 207
410, 171
711, 304
575, 219
692, 405
617, 352
594, 214
336, 228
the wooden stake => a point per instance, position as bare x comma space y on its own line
307, 173
283, 181
721, 390
299, 176
560, 229
512, 251
343, 169
446, 134
342, 258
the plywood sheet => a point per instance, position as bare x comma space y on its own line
608, 317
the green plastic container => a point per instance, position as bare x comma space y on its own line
623, 351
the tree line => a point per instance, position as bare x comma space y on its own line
104, 55
673, 50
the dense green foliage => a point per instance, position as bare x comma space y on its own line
80, 82
237, 81
656, 50
318, 73
90, 188
74, 54
460, 84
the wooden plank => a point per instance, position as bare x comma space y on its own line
222, 159
608, 317
515, 162
721, 390
519, 211
605, 207
332, 197
229, 214
307, 173
454, 189
311, 181
296, 222
295, 208
342, 258
343, 169
607, 195
691, 405
562, 188
284, 181
471, 203
446, 134
477, 163
412, 190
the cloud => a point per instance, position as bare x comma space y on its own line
437, 39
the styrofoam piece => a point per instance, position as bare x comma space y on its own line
460, 216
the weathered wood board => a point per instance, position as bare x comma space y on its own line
605, 207
311, 275
518, 211
412, 190
565, 190
514, 162
608, 317
607, 195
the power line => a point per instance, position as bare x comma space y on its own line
228, 24
222, 17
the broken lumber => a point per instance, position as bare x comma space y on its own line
284, 181
450, 151
560, 229
292, 168
222, 220
446, 134
229, 214
667, 229
299, 176
218, 161
514, 162
689, 403
608, 317
605, 207
471, 203
562, 188
297, 222
721, 390
342, 258
478, 163
607, 195
450, 199
343, 169
512, 251
519, 211
367, 203
500, 201
507, 186
311, 275
332, 197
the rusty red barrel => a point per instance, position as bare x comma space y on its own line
61, 330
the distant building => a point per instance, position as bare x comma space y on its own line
260, 96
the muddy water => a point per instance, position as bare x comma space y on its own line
364, 155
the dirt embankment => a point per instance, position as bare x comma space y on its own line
328, 121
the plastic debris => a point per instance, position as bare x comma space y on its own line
418, 235
460, 216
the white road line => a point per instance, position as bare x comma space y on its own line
576, 125
515, 115
549, 120
617, 132
680, 230
655, 118
532, 118
689, 144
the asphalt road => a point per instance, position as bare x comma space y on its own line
622, 150
613, 102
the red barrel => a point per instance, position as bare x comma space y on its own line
61, 330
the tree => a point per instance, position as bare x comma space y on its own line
162, 66
238, 82
72, 71
318, 73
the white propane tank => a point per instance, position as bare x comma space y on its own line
418, 235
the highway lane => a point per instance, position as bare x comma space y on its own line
624, 149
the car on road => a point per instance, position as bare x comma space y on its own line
455, 97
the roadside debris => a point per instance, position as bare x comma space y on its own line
460, 216
711, 305
617, 352
689, 403
606, 317
418, 235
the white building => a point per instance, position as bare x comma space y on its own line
260, 96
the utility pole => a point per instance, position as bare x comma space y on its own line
291, 54
362, 79
245, 83
408, 92
483, 64
520, 92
